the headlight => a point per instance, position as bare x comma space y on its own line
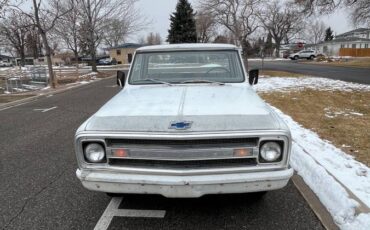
94, 153
270, 152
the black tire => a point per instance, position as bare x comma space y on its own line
296, 57
312, 57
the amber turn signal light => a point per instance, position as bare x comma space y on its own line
242, 152
120, 153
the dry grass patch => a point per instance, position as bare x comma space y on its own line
340, 117
273, 73
72, 77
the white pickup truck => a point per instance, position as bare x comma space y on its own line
186, 123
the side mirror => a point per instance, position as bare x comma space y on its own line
121, 78
253, 76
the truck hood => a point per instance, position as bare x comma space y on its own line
152, 108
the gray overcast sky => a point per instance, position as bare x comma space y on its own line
159, 11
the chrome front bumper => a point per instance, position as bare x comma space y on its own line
183, 186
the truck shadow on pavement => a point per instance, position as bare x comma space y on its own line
281, 209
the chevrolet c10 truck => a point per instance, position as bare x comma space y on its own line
186, 123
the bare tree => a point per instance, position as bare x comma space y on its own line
119, 29
360, 9
96, 15
153, 39
322, 6
67, 28
116, 32
361, 12
280, 20
205, 24
141, 40
14, 29
238, 16
315, 31
3, 4
44, 19
34, 43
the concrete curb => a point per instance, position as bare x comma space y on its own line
315, 204
34, 98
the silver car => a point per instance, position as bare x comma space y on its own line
305, 54
186, 123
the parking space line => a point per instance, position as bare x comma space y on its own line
141, 213
108, 214
112, 211
46, 110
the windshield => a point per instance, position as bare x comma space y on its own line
182, 67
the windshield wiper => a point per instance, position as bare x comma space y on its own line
202, 81
157, 81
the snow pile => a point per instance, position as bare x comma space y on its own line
326, 169
91, 75
267, 84
333, 112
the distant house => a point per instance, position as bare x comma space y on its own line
5, 58
286, 49
357, 33
56, 60
352, 43
123, 54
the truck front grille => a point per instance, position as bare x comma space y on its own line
183, 165
224, 142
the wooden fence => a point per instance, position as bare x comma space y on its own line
364, 52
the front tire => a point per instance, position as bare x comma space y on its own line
296, 57
312, 57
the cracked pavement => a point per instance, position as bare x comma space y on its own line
39, 189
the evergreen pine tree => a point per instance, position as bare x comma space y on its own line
182, 28
329, 34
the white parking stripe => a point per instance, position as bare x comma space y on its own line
46, 110
108, 214
112, 211
141, 213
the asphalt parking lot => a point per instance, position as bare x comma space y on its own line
39, 189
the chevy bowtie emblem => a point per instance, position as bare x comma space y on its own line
181, 125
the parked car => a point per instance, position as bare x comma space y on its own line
105, 61
185, 129
306, 54
5, 64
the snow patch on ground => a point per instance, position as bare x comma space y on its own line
326, 169
92, 75
332, 174
334, 112
267, 84
268, 59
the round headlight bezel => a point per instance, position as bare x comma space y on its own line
94, 152
267, 148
